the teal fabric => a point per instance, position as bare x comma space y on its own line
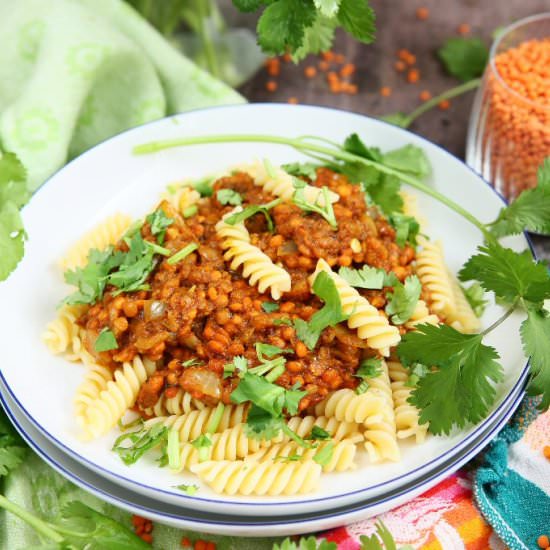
517, 509
75, 72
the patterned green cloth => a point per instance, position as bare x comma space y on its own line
75, 72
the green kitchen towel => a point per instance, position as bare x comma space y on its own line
75, 72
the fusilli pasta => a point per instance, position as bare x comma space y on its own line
109, 407
280, 183
337, 429
63, 335
259, 478
256, 265
421, 315
181, 403
346, 405
370, 323
181, 197
406, 415
462, 317
95, 381
100, 237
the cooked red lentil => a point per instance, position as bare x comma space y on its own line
199, 309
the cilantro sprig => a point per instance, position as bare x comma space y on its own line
252, 210
403, 300
325, 209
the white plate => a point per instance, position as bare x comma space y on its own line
241, 525
109, 178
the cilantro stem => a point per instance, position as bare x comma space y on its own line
183, 253
500, 319
434, 101
307, 148
36, 523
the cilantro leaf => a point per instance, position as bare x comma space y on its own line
464, 58
252, 210
248, 5
239, 365
10, 457
410, 159
324, 455
229, 196
12, 237
369, 368
461, 388
406, 228
475, 296
268, 350
325, 210
416, 372
403, 300
354, 144
260, 424
367, 277
357, 18
530, 211
270, 307
159, 222
509, 274
81, 524
397, 119
131, 446
204, 186
317, 433
307, 169
189, 490
385, 193
283, 24
317, 38
535, 335
305, 333
105, 341
329, 8
269, 397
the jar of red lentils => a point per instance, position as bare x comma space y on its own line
509, 133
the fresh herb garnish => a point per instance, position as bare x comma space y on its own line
239, 365
12, 448
416, 372
324, 455
189, 490
270, 307
294, 457
325, 209
403, 300
215, 419
229, 196
252, 210
406, 228
368, 277
267, 350
105, 341
317, 433
307, 169
190, 211
202, 444
369, 368
159, 222
204, 187
182, 254
173, 449
464, 58
476, 298
282, 321
131, 446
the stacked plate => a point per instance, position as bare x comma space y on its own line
36, 389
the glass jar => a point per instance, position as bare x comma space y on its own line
509, 130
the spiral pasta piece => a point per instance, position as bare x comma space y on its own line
181, 197
462, 317
195, 423
346, 405
435, 278
63, 335
259, 478
100, 237
95, 381
406, 415
109, 407
370, 323
380, 431
342, 458
421, 315
410, 208
256, 265
181, 403
280, 183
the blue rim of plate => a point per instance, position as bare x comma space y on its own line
459, 446
448, 468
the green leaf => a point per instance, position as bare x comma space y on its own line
131, 446
270, 307
204, 186
355, 145
11, 169
239, 365
307, 169
83, 526
461, 387
262, 393
535, 335
317, 38
369, 368
530, 211
260, 424
410, 159
317, 433
12, 237
326, 210
329, 8
367, 277
476, 298
252, 210
159, 222
189, 490
324, 455
464, 58
283, 24
105, 341
10, 456
403, 300
385, 194
229, 196
406, 228
267, 350
397, 119
509, 274
248, 5
357, 18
